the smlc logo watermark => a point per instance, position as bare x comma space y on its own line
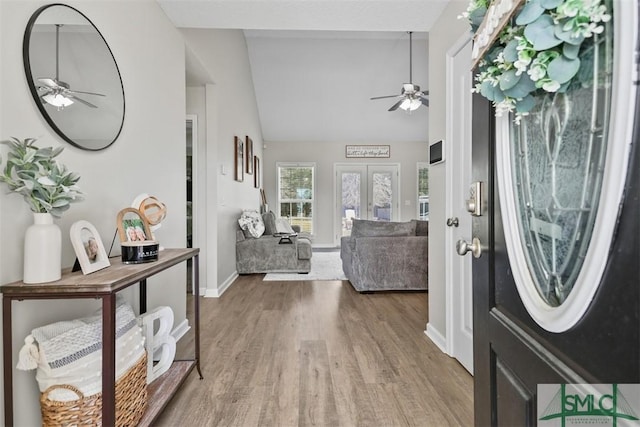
562, 405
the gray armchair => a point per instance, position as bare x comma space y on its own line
382, 256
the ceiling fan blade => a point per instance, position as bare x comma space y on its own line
388, 96
86, 93
424, 101
82, 101
48, 82
395, 106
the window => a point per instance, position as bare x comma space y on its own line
423, 191
296, 194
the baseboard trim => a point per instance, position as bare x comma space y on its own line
217, 293
181, 330
437, 338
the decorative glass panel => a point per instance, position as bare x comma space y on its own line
557, 155
382, 196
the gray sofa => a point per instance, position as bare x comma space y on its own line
266, 255
382, 256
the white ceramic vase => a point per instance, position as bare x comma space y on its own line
42, 250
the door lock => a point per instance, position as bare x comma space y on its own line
453, 222
474, 202
463, 247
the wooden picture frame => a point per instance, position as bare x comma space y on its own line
256, 172
133, 226
250, 161
88, 247
239, 158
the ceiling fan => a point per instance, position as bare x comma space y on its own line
411, 97
56, 92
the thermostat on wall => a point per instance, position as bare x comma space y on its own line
436, 153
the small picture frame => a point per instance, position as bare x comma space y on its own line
133, 227
249, 144
256, 172
239, 158
88, 247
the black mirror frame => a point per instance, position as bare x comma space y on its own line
34, 92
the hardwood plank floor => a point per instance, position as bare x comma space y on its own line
319, 354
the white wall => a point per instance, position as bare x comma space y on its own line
231, 111
325, 155
149, 156
442, 36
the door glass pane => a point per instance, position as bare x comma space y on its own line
557, 162
423, 192
351, 196
382, 196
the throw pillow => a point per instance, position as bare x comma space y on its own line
269, 219
283, 226
251, 222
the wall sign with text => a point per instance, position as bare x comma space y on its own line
367, 151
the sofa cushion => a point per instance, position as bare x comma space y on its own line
367, 228
269, 220
251, 223
422, 228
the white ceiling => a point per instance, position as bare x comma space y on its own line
316, 63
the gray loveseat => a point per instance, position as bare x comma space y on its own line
381, 256
266, 255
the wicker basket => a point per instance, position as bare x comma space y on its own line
131, 402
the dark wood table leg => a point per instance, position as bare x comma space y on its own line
109, 360
143, 296
7, 361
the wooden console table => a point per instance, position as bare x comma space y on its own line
105, 284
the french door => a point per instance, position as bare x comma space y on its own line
365, 191
556, 248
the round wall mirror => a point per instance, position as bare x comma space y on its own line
73, 77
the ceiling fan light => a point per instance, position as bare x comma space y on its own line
410, 104
57, 100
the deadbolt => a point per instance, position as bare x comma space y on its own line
463, 247
453, 222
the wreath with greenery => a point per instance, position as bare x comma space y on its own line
539, 51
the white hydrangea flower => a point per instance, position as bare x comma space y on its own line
551, 86
536, 72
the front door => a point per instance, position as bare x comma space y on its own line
556, 294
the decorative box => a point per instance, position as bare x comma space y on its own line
139, 252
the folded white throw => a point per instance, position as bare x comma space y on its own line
70, 352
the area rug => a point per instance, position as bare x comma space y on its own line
324, 266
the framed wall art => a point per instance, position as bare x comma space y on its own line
256, 172
88, 247
239, 158
250, 161
367, 151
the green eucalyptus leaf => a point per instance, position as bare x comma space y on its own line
541, 33
530, 12
526, 104
476, 17
563, 69
510, 53
523, 88
567, 36
571, 51
550, 4
564, 87
508, 80
491, 92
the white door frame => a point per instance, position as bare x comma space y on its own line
457, 295
197, 178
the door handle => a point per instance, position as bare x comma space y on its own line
463, 247
453, 222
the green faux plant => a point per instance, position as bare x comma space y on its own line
540, 51
46, 185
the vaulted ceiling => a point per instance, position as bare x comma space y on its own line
317, 63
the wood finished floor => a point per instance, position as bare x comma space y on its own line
319, 354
